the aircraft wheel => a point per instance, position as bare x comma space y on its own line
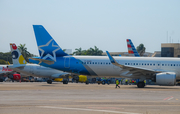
87, 82
103, 82
108, 82
140, 84
65, 82
1, 80
49, 81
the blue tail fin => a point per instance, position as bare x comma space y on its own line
131, 49
47, 46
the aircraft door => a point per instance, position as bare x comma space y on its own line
67, 62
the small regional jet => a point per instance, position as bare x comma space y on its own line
163, 71
20, 65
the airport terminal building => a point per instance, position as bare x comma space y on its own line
170, 50
167, 50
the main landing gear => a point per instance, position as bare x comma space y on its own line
49, 81
140, 84
65, 81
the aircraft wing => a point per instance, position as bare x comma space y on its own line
130, 70
16, 66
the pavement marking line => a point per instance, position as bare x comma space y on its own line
104, 108
82, 109
168, 98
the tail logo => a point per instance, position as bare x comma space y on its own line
46, 50
14, 46
15, 55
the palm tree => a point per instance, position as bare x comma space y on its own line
24, 51
141, 49
78, 51
97, 51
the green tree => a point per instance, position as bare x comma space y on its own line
141, 49
6, 56
26, 54
90, 51
78, 51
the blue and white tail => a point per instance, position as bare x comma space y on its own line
131, 49
47, 46
17, 57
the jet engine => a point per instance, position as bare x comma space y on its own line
166, 78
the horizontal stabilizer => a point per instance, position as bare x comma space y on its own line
49, 62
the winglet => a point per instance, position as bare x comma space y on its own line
110, 57
113, 61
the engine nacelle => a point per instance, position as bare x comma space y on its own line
166, 78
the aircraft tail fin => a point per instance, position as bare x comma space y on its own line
48, 48
17, 57
131, 49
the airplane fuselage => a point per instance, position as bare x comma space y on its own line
38, 71
101, 65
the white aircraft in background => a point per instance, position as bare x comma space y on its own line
5, 71
20, 65
164, 71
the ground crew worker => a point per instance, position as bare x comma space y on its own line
117, 83
145, 82
126, 81
121, 81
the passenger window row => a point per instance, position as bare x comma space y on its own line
107, 63
148, 64
151, 64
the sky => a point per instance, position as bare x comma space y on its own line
88, 23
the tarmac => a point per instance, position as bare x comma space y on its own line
73, 98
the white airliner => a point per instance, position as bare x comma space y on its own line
20, 65
164, 71
5, 71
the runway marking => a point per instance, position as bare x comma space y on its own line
82, 109
168, 98
104, 108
